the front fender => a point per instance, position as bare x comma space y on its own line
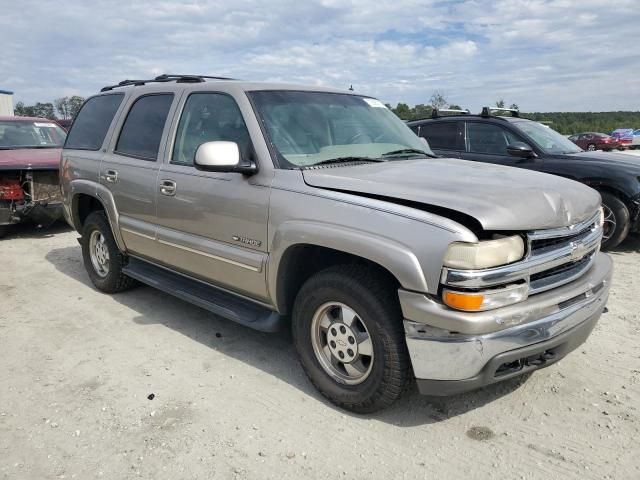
389, 254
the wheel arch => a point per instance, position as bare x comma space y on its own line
88, 197
294, 259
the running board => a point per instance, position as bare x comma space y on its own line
215, 300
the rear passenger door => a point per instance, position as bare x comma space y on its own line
130, 169
213, 225
444, 137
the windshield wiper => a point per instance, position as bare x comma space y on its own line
407, 151
345, 160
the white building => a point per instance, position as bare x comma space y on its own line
6, 102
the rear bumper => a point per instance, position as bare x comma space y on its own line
525, 336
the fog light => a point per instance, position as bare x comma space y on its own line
487, 299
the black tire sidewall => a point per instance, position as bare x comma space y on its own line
379, 317
623, 220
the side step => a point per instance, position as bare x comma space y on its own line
210, 298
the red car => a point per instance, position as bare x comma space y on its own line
595, 141
29, 161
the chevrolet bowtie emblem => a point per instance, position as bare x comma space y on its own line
578, 250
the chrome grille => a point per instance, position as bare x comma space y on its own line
554, 257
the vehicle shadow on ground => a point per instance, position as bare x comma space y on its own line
273, 353
630, 245
30, 230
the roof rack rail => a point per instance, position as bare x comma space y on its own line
163, 78
435, 113
486, 111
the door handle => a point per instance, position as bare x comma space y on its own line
168, 187
111, 176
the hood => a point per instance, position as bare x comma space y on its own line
30, 159
499, 198
609, 158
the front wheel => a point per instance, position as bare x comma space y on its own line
616, 221
102, 258
591, 147
348, 331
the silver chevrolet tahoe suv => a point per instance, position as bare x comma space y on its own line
274, 205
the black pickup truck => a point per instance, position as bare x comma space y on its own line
518, 142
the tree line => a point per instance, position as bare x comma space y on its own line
566, 123
64, 108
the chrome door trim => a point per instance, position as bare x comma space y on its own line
133, 232
210, 255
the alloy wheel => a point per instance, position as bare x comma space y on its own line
342, 343
610, 223
99, 253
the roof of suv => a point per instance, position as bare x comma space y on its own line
467, 117
199, 82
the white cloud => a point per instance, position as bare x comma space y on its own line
543, 55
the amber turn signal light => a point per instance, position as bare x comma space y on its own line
470, 302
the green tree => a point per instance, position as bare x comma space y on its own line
500, 103
68, 107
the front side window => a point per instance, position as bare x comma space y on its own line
307, 128
18, 134
142, 130
93, 121
442, 135
546, 138
209, 117
488, 138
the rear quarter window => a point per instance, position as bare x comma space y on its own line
142, 130
92, 122
443, 135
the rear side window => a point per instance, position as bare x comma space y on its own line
91, 125
444, 135
142, 130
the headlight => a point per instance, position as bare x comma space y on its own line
485, 300
485, 254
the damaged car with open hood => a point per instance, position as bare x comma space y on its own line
29, 160
280, 206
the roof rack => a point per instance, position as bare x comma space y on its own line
435, 113
164, 78
486, 111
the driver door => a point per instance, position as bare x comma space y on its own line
213, 225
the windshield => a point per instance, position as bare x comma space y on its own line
30, 134
546, 138
308, 128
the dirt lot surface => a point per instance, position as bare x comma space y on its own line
144, 385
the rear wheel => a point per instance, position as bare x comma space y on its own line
591, 147
348, 331
616, 221
102, 259
3, 230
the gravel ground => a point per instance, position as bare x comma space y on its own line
144, 385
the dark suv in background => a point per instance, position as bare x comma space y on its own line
518, 142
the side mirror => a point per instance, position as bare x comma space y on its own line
222, 157
520, 149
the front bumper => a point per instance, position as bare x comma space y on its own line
452, 352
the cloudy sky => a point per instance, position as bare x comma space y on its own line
544, 55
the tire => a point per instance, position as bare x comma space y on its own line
3, 230
377, 314
591, 147
109, 278
616, 212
